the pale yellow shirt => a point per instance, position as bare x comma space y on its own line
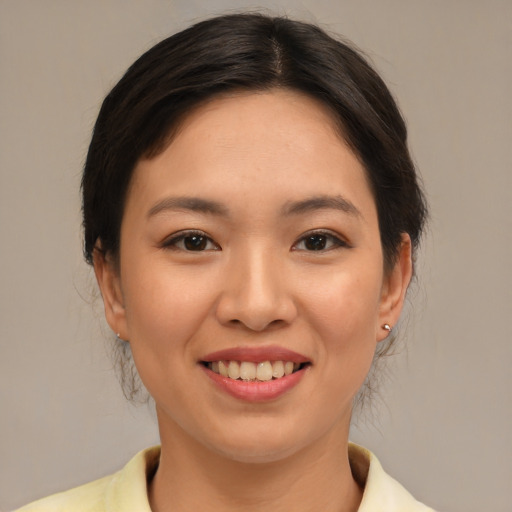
126, 490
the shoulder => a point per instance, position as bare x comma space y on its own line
381, 491
86, 498
120, 492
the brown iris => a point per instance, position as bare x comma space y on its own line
195, 242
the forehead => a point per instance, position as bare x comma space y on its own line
245, 143
241, 117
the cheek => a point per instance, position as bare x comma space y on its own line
164, 310
165, 306
347, 303
343, 314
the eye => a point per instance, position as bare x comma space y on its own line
191, 241
318, 241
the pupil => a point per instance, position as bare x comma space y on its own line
195, 242
316, 242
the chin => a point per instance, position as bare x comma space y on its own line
254, 452
264, 443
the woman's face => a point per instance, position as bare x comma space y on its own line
253, 239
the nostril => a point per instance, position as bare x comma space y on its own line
250, 307
254, 325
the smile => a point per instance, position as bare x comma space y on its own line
255, 374
254, 371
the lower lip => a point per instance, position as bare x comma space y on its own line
256, 391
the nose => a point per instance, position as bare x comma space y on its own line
255, 294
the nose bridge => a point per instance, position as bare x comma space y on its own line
255, 292
258, 278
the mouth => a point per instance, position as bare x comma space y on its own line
249, 371
256, 374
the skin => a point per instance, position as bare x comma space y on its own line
255, 283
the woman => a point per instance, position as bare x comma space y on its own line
251, 212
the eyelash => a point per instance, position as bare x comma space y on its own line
331, 240
334, 241
173, 242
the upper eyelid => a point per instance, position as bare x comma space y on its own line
336, 238
184, 232
325, 232
180, 235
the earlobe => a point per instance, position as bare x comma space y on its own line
107, 276
394, 289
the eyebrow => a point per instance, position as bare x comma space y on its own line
195, 204
323, 202
207, 206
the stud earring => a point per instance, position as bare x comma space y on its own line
387, 327
119, 338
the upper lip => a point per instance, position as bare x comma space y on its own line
256, 354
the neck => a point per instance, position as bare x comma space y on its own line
191, 477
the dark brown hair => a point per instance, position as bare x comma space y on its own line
248, 52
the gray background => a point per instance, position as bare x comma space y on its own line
443, 426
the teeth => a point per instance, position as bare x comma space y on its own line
278, 369
249, 371
264, 371
223, 369
233, 370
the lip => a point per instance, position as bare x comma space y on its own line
256, 355
256, 391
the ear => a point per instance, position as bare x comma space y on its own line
107, 275
394, 288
